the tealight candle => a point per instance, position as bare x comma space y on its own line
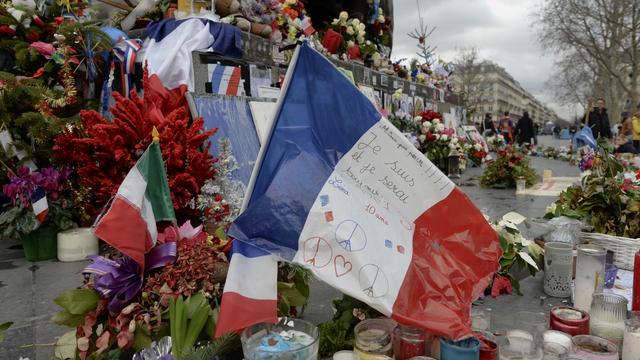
589, 347
373, 340
569, 320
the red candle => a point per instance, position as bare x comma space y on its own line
635, 301
569, 320
488, 350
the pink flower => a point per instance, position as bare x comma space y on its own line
44, 49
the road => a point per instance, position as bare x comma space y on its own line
27, 289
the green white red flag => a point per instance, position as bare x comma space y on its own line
143, 199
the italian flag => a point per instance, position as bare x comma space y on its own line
143, 199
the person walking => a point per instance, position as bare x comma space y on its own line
599, 121
635, 126
524, 130
488, 129
506, 128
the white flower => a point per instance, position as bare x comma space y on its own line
350, 30
355, 23
452, 145
335, 22
426, 124
477, 146
291, 2
350, 44
368, 42
454, 140
297, 23
551, 209
381, 19
380, 12
436, 121
422, 138
439, 126
437, 136
417, 119
360, 39
362, 33
362, 27
343, 15
444, 137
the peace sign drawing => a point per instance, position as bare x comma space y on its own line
373, 281
317, 252
351, 236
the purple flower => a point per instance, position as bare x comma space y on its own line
20, 187
117, 280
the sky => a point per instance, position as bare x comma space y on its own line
503, 31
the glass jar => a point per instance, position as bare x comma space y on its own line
589, 275
374, 339
519, 344
291, 339
467, 349
589, 347
608, 313
631, 341
480, 319
558, 269
408, 342
556, 345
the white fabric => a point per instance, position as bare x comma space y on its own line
132, 190
263, 268
170, 58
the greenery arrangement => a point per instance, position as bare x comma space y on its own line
509, 166
607, 199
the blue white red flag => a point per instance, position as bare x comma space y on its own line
39, 204
338, 189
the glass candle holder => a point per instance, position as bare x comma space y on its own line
408, 342
374, 339
292, 339
468, 349
569, 320
520, 344
608, 313
589, 347
534, 323
556, 345
558, 269
589, 275
631, 342
521, 185
488, 347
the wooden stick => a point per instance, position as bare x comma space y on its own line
117, 5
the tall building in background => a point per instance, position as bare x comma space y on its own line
500, 93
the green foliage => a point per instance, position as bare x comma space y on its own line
3, 329
187, 319
226, 344
78, 301
337, 334
17, 222
66, 318
510, 165
293, 287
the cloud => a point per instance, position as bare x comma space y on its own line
501, 30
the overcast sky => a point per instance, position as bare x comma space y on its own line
502, 30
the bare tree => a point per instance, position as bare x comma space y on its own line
605, 36
470, 80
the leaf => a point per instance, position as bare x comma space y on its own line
513, 217
141, 337
3, 328
65, 318
221, 234
78, 301
65, 347
526, 257
504, 243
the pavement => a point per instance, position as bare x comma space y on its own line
27, 289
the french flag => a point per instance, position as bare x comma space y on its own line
250, 291
338, 189
39, 204
225, 80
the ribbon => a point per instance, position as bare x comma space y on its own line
160, 256
125, 52
119, 280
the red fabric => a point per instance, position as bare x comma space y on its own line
331, 41
455, 254
240, 312
124, 228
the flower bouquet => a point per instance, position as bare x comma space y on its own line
475, 152
437, 141
496, 142
516, 250
509, 166
19, 220
291, 22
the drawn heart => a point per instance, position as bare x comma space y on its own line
341, 265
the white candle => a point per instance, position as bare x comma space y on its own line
631, 348
520, 341
76, 244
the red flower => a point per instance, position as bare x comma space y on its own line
38, 73
7, 30
638, 174
58, 20
217, 198
38, 21
501, 285
33, 36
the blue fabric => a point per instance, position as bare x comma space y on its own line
227, 39
247, 250
321, 117
584, 137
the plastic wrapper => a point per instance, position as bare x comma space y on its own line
566, 230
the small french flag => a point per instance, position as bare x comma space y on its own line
250, 292
39, 204
226, 80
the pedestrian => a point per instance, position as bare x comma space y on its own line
488, 129
624, 140
506, 128
536, 131
524, 130
599, 121
635, 126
